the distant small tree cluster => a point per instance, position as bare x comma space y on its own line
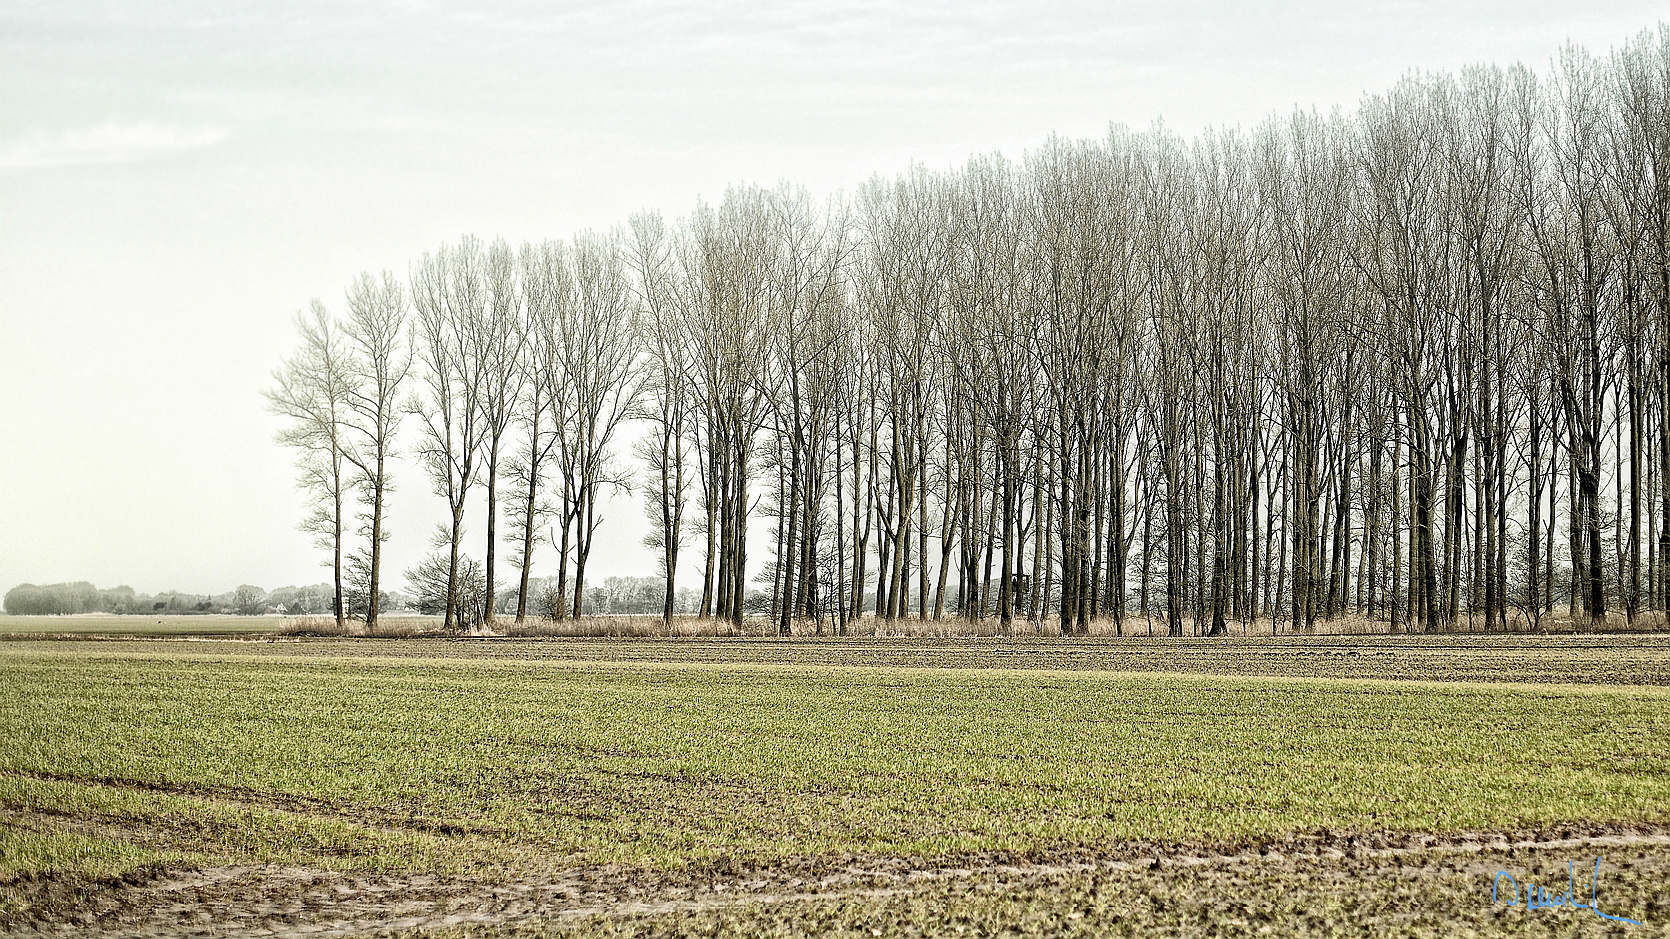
81, 597
247, 600
616, 596
77, 597
315, 600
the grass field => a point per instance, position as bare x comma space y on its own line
205, 625
662, 768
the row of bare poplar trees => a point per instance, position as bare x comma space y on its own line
1412, 363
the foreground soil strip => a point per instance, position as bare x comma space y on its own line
1325, 884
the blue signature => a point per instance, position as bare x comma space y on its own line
1541, 898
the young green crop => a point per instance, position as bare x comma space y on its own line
112, 759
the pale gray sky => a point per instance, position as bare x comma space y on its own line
177, 179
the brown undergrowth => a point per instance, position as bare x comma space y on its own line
943, 627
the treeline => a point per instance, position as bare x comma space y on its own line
616, 596
82, 597
1411, 363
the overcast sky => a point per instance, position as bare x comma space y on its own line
177, 179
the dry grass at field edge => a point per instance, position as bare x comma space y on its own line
406, 626
913, 627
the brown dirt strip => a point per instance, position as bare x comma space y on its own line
1613, 660
293, 901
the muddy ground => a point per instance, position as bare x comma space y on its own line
1328, 884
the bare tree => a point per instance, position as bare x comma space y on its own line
449, 292
498, 339
1408, 363
669, 393
377, 366
313, 390
727, 266
599, 362
545, 404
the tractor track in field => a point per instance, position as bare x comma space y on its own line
290, 901
227, 797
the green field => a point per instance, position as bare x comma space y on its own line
205, 625
675, 762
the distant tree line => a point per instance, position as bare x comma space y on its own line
615, 596
1411, 363
247, 600
83, 597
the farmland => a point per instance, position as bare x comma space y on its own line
662, 786
109, 625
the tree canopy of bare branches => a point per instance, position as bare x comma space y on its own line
1410, 363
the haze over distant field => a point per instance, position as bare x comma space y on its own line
177, 179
